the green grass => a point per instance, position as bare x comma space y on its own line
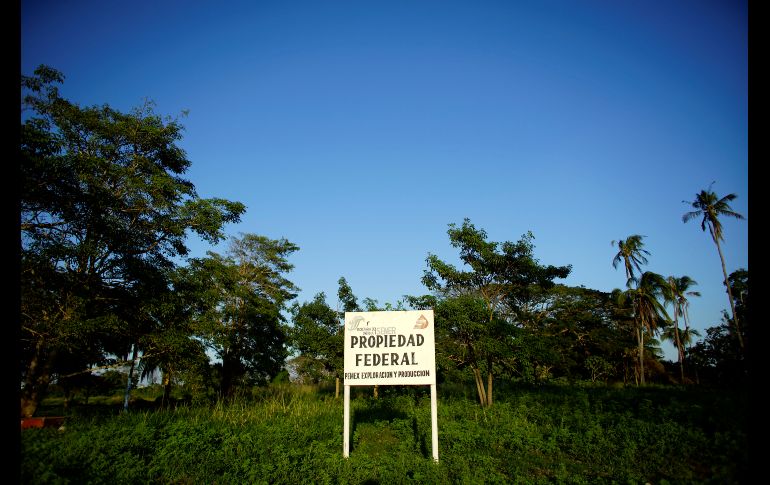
288, 434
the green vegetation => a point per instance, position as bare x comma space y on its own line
109, 297
293, 434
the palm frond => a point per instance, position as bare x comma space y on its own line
690, 215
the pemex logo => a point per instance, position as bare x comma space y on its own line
422, 323
353, 324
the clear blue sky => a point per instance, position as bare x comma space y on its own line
360, 130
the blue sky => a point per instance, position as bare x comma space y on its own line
360, 130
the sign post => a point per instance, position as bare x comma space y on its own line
390, 348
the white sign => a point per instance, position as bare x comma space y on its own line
387, 348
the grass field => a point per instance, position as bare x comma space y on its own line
291, 434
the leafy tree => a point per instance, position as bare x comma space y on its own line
598, 367
110, 382
462, 333
319, 338
503, 275
623, 314
346, 298
711, 207
580, 323
373, 305
172, 346
243, 324
718, 358
421, 302
104, 211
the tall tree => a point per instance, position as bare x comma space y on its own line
502, 275
104, 211
711, 207
632, 253
244, 324
677, 292
649, 312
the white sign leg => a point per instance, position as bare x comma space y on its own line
434, 421
346, 424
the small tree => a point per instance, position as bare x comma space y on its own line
463, 337
598, 367
318, 337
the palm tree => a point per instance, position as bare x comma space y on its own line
631, 252
649, 312
711, 207
686, 336
676, 294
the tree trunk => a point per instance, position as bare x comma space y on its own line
226, 377
36, 380
337, 388
128, 380
164, 401
641, 354
480, 386
729, 290
678, 342
685, 350
489, 388
376, 391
